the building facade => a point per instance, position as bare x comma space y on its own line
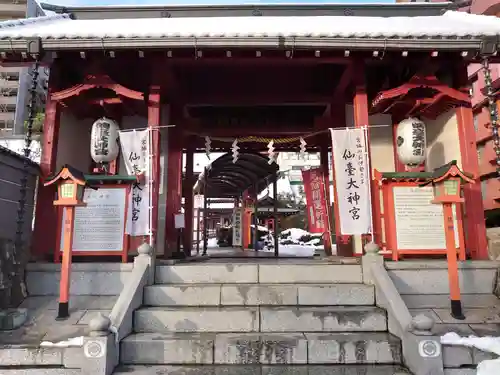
15, 81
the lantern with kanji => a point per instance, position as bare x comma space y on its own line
411, 141
104, 145
71, 186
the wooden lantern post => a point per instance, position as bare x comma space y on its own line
71, 185
447, 181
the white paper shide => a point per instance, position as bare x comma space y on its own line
352, 180
135, 148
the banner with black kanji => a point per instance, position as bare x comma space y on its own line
352, 181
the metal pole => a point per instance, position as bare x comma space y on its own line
205, 217
275, 215
198, 231
255, 219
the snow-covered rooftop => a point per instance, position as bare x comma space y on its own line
447, 28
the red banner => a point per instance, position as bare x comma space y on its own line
317, 210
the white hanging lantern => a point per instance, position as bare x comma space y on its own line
411, 141
104, 145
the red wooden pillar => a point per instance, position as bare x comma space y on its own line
361, 118
174, 186
476, 242
323, 156
45, 232
154, 118
188, 200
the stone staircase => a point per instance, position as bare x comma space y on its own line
271, 317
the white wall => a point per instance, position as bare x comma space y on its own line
443, 145
74, 142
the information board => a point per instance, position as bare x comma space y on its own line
420, 223
100, 226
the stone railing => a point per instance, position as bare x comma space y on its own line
422, 350
101, 349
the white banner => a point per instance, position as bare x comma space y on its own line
237, 218
135, 150
352, 180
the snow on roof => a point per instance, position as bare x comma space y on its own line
450, 25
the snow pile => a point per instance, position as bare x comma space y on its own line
212, 242
74, 341
486, 344
297, 236
294, 242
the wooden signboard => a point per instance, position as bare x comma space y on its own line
99, 228
411, 224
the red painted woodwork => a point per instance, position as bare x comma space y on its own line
174, 186
361, 118
93, 81
45, 235
426, 96
388, 219
154, 118
475, 241
188, 199
344, 82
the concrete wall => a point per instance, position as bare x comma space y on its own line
97, 279
11, 173
424, 284
442, 141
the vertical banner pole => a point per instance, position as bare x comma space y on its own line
451, 252
64, 285
150, 184
368, 165
275, 215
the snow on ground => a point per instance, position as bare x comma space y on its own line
74, 341
486, 344
294, 250
212, 242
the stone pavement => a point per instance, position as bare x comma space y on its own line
42, 326
484, 321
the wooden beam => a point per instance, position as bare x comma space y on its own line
243, 99
343, 83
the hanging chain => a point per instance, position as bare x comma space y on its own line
23, 189
492, 106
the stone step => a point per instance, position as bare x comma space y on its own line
273, 273
462, 357
263, 370
35, 356
255, 348
259, 294
265, 319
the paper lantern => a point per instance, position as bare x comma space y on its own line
104, 145
411, 141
